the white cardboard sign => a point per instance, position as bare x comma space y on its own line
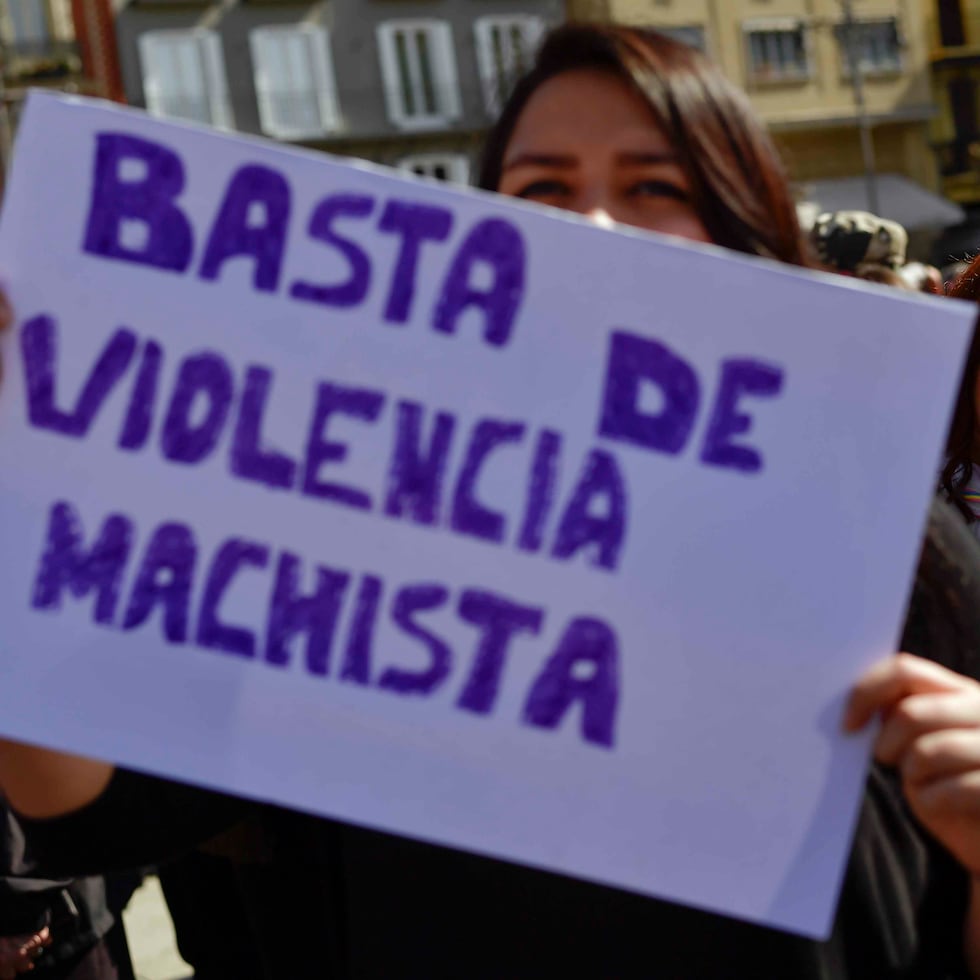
450, 516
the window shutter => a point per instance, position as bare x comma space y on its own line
294, 81
28, 21
184, 76
418, 70
444, 67
216, 80
505, 48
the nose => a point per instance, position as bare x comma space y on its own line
600, 217
596, 202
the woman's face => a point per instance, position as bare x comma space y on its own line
586, 142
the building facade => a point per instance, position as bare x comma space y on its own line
953, 32
62, 44
792, 58
409, 83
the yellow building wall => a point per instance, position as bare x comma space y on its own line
962, 182
828, 153
813, 118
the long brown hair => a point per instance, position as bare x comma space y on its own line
963, 444
740, 189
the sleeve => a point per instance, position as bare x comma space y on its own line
904, 899
943, 622
139, 820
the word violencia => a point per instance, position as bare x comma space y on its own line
207, 399
425, 482
582, 670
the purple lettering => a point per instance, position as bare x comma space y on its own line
588, 642
65, 564
633, 360
353, 291
204, 376
213, 634
235, 232
416, 474
738, 377
168, 240
602, 481
165, 578
469, 515
498, 244
409, 601
358, 403
356, 667
39, 348
415, 223
499, 620
314, 615
139, 416
248, 459
541, 490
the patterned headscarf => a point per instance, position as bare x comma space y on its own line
859, 242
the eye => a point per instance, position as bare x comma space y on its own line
543, 188
659, 188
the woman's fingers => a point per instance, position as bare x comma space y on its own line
888, 682
950, 808
917, 715
941, 756
931, 733
6, 311
38, 940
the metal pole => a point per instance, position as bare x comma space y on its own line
864, 123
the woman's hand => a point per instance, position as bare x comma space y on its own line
41, 783
18, 953
931, 734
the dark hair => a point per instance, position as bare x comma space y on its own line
738, 182
964, 433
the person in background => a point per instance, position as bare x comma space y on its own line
921, 277
858, 243
961, 474
623, 126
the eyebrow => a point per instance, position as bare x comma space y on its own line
568, 162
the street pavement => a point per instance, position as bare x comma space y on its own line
151, 936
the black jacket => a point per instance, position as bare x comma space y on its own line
75, 910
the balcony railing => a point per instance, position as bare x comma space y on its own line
37, 61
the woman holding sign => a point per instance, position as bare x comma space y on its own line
627, 127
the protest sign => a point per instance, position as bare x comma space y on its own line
452, 516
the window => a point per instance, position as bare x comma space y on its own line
26, 22
294, 81
451, 167
877, 46
505, 48
690, 34
778, 51
184, 76
418, 66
